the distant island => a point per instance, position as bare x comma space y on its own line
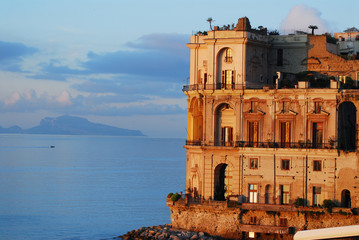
69, 125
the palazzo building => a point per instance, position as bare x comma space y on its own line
271, 119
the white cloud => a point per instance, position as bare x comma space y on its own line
30, 94
64, 99
300, 17
14, 98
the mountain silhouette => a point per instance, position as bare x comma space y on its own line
69, 125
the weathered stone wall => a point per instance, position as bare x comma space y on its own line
235, 221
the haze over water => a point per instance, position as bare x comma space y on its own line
86, 187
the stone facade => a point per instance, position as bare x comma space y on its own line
259, 135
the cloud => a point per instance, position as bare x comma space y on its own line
146, 109
12, 54
300, 17
164, 57
54, 70
143, 63
29, 101
132, 88
174, 43
64, 99
144, 80
94, 104
13, 99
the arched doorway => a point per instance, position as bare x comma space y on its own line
195, 122
346, 201
347, 126
222, 182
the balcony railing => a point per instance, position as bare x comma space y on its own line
238, 144
211, 86
223, 86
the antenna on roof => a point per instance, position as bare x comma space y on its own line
313, 27
210, 22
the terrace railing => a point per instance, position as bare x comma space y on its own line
241, 144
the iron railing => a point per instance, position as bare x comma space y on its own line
237, 144
223, 86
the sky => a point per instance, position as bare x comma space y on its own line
124, 62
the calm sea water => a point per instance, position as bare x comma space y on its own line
87, 187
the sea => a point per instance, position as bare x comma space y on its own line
86, 187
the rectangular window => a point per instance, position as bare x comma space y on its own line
253, 132
279, 57
228, 56
283, 222
285, 132
317, 107
227, 79
253, 220
285, 164
253, 163
227, 136
284, 196
254, 105
317, 191
286, 105
317, 134
317, 165
253, 193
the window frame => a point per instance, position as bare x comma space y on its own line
228, 56
285, 164
255, 163
318, 106
253, 193
316, 167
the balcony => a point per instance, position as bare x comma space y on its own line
241, 144
269, 207
211, 86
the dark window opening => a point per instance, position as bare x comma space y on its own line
279, 57
285, 164
285, 132
317, 134
253, 163
317, 165
347, 126
253, 132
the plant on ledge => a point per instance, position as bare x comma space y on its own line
300, 202
329, 205
175, 197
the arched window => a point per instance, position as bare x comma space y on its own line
346, 200
225, 70
228, 55
195, 122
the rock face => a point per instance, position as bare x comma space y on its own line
268, 221
164, 232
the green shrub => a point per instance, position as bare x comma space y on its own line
329, 205
300, 202
175, 197
354, 211
169, 195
